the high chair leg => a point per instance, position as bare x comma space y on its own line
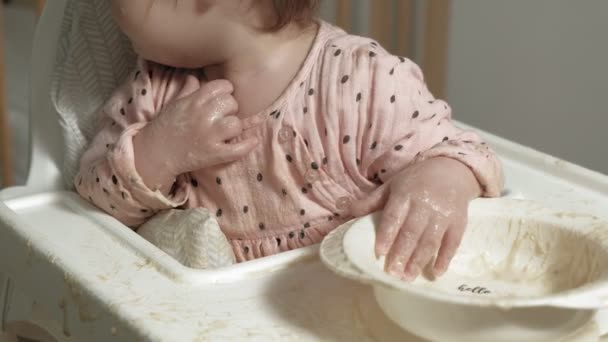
14, 312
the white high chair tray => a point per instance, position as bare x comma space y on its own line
91, 279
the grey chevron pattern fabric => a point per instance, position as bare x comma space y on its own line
93, 58
202, 248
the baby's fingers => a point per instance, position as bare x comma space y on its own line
235, 151
406, 242
230, 127
394, 215
449, 246
427, 248
191, 84
209, 91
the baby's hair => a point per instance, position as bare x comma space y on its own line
288, 11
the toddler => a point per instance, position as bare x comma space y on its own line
285, 127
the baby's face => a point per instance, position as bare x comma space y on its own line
170, 32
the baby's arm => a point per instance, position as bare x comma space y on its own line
410, 160
401, 123
108, 175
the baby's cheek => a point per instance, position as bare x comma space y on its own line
129, 14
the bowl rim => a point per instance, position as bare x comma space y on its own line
517, 209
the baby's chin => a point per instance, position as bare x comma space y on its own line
168, 59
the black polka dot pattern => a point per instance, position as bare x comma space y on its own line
314, 166
374, 145
130, 100
346, 139
393, 98
302, 234
114, 180
284, 192
122, 111
415, 114
337, 53
446, 138
344, 79
218, 180
372, 54
302, 212
324, 160
398, 147
311, 92
194, 182
289, 158
392, 71
278, 241
144, 92
219, 213
261, 226
292, 235
305, 110
359, 97
245, 209
260, 177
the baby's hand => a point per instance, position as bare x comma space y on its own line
425, 215
191, 133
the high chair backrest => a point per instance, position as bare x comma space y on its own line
80, 57
46, 145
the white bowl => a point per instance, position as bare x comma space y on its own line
522, 273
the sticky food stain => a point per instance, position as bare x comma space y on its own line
85, 312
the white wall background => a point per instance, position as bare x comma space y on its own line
535, 72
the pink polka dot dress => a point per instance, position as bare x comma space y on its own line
352, 118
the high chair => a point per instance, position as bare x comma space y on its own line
80, 275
